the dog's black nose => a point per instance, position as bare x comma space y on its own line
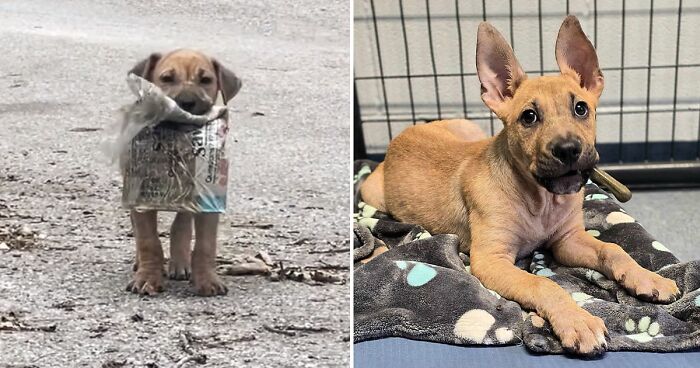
187, 105
567, 151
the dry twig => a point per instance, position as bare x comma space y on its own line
279, 331
186, 340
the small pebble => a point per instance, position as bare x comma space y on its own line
26, 230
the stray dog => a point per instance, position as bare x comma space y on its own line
193, 80
520, 190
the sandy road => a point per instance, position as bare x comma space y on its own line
62, 70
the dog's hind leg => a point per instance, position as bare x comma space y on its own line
179, 267
372, 190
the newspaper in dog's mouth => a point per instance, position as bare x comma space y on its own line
170, 159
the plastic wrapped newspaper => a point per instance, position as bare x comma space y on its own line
170, 159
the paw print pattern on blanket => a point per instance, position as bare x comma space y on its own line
364, 171
419, 275
619, 217
596, 197
539, 267
658, 246
364, 215
422, 235
475, 324
594, 276
582, 298
646, 330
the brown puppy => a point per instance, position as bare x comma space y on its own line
520, 190
193, 80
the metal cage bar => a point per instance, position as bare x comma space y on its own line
381, 69
408, 61
675, 80
491, 119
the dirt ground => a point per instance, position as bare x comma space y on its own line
65, 245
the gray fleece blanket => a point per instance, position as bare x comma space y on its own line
409, 283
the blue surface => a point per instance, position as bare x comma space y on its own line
404, 353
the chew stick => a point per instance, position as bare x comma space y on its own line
619, 190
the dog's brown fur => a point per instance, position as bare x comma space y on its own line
448, 179
193, 80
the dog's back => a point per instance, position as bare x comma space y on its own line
414, 160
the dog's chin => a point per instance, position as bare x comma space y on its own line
567, 183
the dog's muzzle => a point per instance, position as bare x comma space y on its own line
193, 103
567, 170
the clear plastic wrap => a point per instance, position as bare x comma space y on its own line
170, 159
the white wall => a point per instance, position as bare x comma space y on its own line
527, 48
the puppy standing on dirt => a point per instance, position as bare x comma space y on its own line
520, 190
193, 80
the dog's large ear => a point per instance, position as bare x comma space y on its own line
577, 57
499, 72
144, 68
229, 83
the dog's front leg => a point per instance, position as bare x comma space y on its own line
580, 249
148, 278
204, 278
579, 331
180, 247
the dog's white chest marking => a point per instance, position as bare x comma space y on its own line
535, 229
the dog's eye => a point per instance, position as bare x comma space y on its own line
206, 80
166, 78
528, 117
581, 109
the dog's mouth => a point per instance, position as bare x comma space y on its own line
194, 107
560, 178
567, 183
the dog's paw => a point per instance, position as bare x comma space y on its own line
649, 286
208, 284
580, 332
146, 283
179, 270
135, 268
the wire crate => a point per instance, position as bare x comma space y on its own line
415, 62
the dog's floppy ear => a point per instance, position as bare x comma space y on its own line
144, 68
499, 72
229, 83
577, 57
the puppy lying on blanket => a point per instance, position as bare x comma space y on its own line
521, 190
193, 80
